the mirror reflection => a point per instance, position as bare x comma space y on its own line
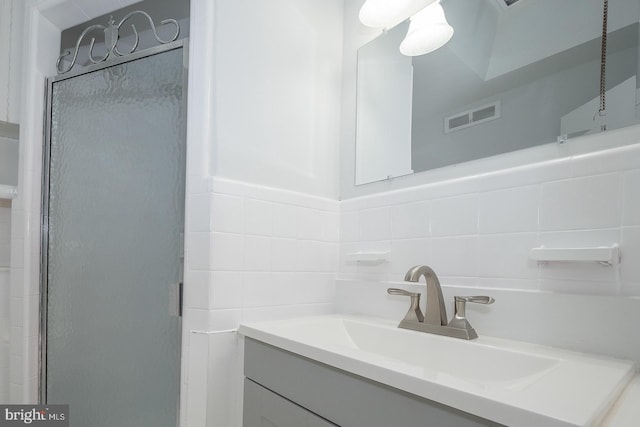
514, 75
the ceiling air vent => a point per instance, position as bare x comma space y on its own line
472, 117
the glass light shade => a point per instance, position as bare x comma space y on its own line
388, 13
428, 31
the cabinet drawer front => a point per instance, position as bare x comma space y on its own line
263, 408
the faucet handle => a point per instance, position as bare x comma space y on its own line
397, 291
478, 299
460, 317
415, 313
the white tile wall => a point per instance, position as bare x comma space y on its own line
212, 391
630, 267
5, 232
410, 252
263, 252
508, 211
478, 230
506, 255
5, 298
253, 253
582, 203
573, 321
454, 216
11, 13
375, 224
227, 252
410, 221
455, 256
631, 199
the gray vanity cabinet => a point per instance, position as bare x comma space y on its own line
264, 408
283, 389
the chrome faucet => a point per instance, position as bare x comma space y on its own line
436, 313
435, 319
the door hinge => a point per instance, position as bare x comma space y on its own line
176, 299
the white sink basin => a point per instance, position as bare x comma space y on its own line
512, 383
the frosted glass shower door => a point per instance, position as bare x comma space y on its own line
113, 254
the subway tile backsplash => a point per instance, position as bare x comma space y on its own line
630, 266
263, 253
5, 299
259, 253
509, 211
581, 203
454, 216
375, 224
410, 221
477, 231
631, 198
5, 233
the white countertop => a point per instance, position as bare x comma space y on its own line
626, 411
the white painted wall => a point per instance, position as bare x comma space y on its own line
11, 15
278, 72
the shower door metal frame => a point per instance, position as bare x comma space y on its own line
44, 225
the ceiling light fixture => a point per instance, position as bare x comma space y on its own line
428, 31
389, 13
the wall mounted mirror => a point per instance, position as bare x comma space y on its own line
516, 74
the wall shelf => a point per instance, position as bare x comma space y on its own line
605, 255
8, 192
369, 257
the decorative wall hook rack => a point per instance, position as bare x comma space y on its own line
111, 37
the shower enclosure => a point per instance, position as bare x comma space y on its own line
112, 254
